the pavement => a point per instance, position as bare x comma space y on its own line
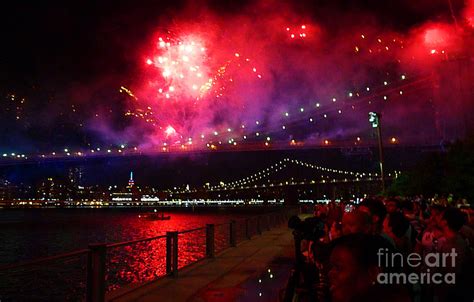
256, 268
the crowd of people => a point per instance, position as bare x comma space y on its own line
396, 249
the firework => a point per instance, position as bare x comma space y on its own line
124, 89
182, 66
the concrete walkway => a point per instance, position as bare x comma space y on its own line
221, 278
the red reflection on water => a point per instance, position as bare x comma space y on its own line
146, 261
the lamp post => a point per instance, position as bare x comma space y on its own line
375, 119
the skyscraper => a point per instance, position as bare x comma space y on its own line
131, 182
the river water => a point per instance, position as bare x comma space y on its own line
29, 234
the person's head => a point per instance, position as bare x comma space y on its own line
336, 230
356, 222
417, 207
453, 220
436, 214
354, 265
407, 208
392, 205
377, 212
396, 225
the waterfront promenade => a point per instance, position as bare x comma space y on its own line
224, 277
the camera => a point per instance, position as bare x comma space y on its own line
311, 228
308, 280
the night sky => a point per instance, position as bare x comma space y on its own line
54, 43
67, 59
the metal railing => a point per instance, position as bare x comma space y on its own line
227, 235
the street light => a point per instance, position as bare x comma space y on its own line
375, 119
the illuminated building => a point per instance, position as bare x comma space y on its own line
131, 182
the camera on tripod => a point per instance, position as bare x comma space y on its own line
308, 278
311, 228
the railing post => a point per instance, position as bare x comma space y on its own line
210, 240
233, 233
169, 247
172, 254
259, 230
247, 229
175, 254
95, 291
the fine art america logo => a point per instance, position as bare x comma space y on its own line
433, 268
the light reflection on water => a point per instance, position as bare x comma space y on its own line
31, 234
28, 235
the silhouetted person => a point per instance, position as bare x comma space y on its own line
377, 213
356, 222
353, 270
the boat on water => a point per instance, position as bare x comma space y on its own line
154, 216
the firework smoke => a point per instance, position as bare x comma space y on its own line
270, 71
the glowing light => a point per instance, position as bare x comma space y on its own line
169, 131
435, 36
183, 69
